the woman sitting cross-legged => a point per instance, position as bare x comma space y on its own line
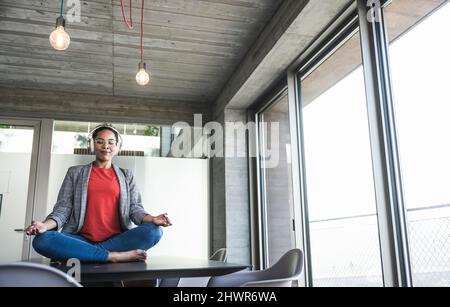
96, 205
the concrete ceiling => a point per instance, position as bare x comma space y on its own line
296, 24
204, 56
191, 46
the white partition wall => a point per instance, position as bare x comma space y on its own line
176, 186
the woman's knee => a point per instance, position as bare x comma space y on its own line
153, 232
44, 240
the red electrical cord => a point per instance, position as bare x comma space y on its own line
142, 29
130, 25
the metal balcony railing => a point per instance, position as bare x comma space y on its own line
353, 242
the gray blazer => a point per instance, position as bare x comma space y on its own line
70, 208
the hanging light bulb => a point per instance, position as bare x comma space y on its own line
59, 38
142, 77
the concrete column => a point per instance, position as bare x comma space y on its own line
230, 208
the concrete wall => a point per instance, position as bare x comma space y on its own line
91, 107
237, 194
230, 196
217, 205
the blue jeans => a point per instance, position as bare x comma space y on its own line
63, 246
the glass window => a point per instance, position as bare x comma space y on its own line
420, 64
138, 139
340, 189
15, 139
277, 179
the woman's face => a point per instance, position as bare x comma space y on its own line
105, 145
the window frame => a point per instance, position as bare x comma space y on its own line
394, 246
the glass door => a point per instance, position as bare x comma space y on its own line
18, 161
417, 42
276, 196
341, 200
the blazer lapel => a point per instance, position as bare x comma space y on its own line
84, 188
123, 193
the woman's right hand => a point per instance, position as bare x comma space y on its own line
36, 228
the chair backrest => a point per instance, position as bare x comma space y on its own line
283, 272
25, 274
219, 255
290, 265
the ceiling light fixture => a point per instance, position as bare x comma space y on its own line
142, 77
59, 38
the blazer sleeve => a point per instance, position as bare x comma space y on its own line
137, 211
63, 207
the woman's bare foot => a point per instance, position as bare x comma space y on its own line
133, 255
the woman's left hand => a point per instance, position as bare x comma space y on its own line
162, 220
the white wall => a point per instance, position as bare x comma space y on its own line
176, 186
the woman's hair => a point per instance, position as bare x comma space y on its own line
94, 135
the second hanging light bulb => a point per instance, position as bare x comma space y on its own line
142, 77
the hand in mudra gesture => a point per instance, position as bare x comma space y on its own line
36, 228
162, 220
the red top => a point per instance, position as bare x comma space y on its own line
102, 214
